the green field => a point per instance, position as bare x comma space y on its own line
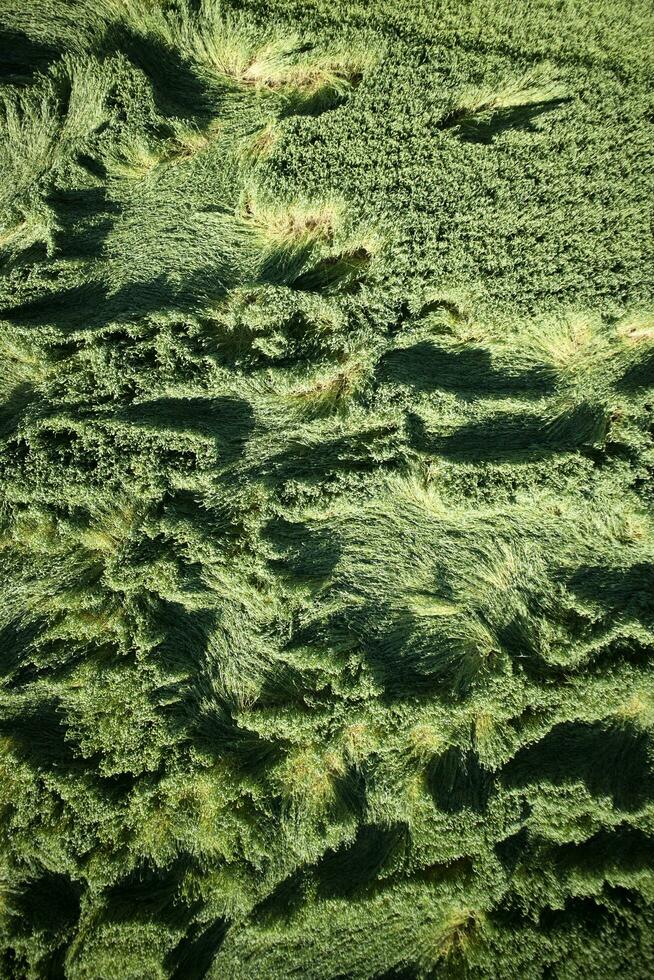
326, 475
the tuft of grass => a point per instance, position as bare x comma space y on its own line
294, 225
261, 144
9, 234
239, 58
637, 328
638, 709
37, 530
134, 159
451, 938
307, 778
359, 741
576, 343
269, 63
108, 530
537, 85
21, 362
425, 741
333, 388
187, 140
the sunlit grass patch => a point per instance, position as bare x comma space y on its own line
232, 54
425, 604
536, 85
360, 739
108, 529
37, 530
450, 938
30, 135
274, 62
331, 388
637, 329
425, 740
21, 362
638, 709
258, 146
10, 233
565, 343
189, 141
292, 225
102, 620
307, 778
134, 159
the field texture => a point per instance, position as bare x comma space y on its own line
327, 465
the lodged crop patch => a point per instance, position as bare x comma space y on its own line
327, 459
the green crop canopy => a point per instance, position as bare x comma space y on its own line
326, 490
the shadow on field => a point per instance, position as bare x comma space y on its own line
639, 375
229, 421
90, 306
611, 761
485, 125
579, 915
13, 407
428, 368
325, 99
627, 591
516, 117
38, 736
305, 553
360, 452
458, 782
191, 959
21, 57
219, 735
51, 904
515, 437
407, 659
350, 870
341, 273
177, 89
85, 217
625, 848
356, 867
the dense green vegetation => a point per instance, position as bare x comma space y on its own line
326, 387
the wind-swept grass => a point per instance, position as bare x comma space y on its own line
327, 466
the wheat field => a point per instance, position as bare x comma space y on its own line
327, 470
